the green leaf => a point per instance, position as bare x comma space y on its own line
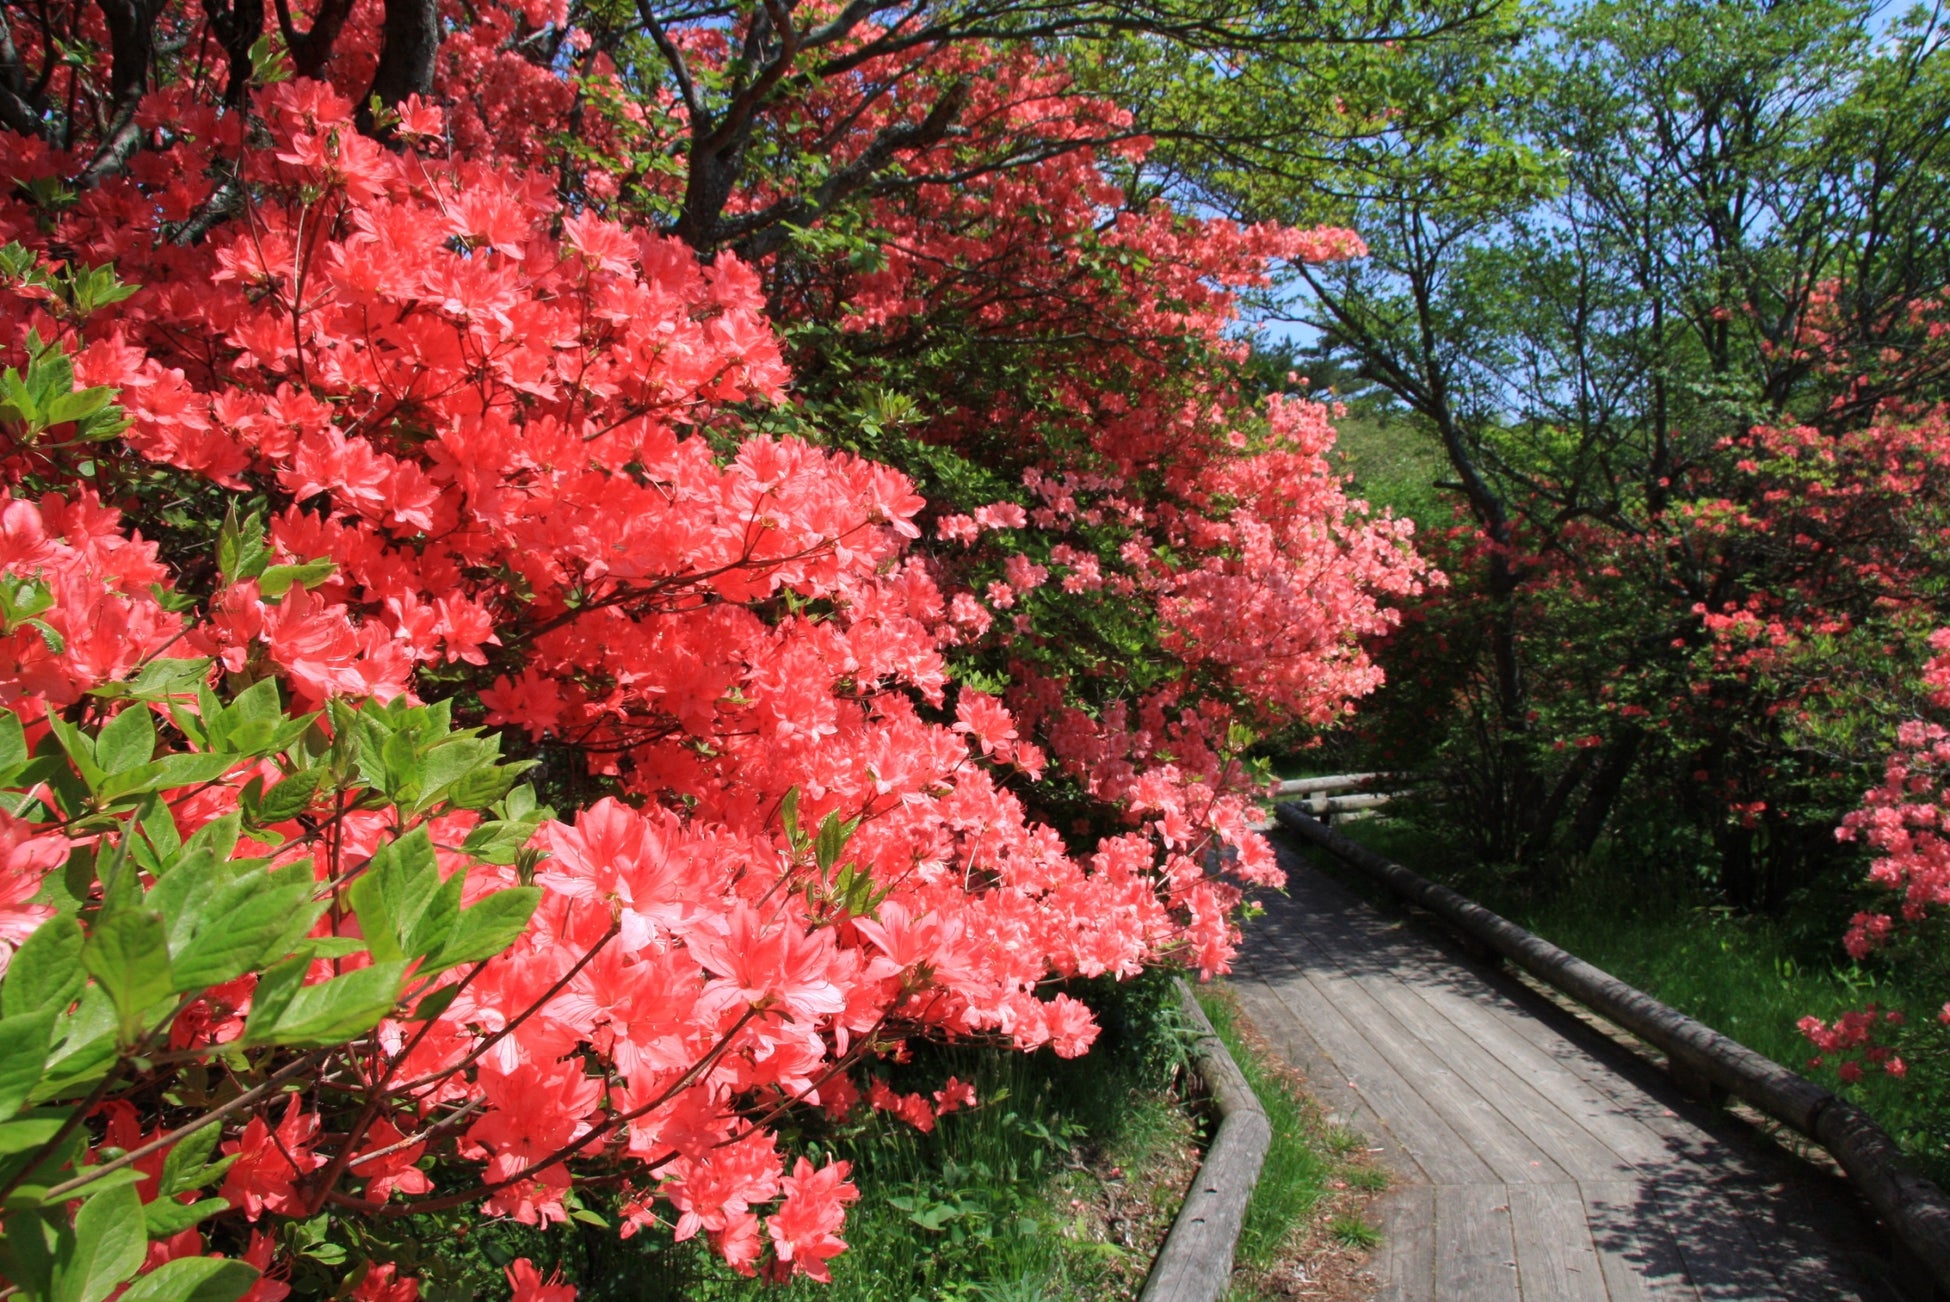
181, 770
109, 1244
29, 1243
161, 842
13, 747
157, 680
288, 798
333, 1011
29, 1133
481, 787
85, 1044
24, 1042
241, 551
400, 768
166, 1216
194, 1279
46, 972
80, 748
184, 1166
217, 838
21, 598
399, 882
489, 927
277, 580
276, 987
128, 955
435, 1004
316, 947
832, 839
454, 758
49, 635
236, 927
498, 842
795, 835
126, 740
435, 925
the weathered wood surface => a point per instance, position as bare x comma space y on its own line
1705, 1063
1337, 782
1534, 1158
1195, 1263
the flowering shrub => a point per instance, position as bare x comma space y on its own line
348, 484
1903, 821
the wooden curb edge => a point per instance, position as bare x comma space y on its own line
1915, 1211
1195, 1264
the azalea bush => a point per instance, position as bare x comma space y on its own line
473, 737
1901, 820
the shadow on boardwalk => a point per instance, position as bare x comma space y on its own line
1534, 1157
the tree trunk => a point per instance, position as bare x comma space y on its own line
1613, 769
411, 39
131, 44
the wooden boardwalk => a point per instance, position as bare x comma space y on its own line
1533, 1156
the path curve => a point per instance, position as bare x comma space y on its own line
1533, 1157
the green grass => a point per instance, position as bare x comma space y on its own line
980, 1208
1352, 1230
1300, 1163
1741, 976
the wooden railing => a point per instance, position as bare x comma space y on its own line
1195, 1263
1700, 1059
1344, 793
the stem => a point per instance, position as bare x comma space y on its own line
594, 1133
500, 1035
244, 1100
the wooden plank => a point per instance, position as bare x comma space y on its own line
1413, 1044
1463, 1112
1420, 1048
1636, 1251
1722, 1257
1625, 1099
1336, 782
1345, 1104
1685, 1136
1405, 1266
1488, 1070
1799, 1229
1421, 1132
1195, 1263
1476, 1258
1727, 1063
1916, 1211
1436, 1005
1556, 1261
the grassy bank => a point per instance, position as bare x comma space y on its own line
1308, 1218
1749, 978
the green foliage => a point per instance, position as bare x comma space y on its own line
1717, 217
1351, 1230
43, 398
1395, 468
147, 920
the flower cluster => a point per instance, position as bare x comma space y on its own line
410, 442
